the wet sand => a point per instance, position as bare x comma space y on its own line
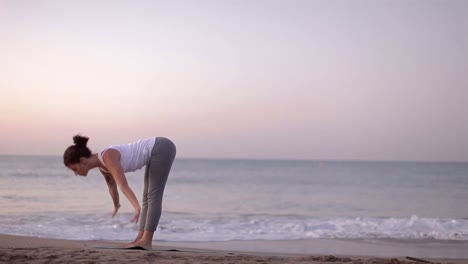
21, 249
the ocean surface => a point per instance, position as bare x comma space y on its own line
221, 200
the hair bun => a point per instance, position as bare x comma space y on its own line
80, 140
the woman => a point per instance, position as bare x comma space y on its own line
114, 161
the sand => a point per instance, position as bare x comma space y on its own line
21, 249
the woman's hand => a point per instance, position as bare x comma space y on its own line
115, 210
137, 215
112, 160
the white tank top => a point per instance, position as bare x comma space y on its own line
133, 156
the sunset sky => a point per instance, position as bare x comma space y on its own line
255, 79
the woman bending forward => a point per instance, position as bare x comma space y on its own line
114, 161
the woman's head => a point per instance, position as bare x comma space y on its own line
75, 156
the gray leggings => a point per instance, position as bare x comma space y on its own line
156, 174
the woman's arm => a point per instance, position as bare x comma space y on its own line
112, 160
114, 193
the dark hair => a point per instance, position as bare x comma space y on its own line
73, 153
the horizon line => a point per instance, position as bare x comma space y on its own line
273, 159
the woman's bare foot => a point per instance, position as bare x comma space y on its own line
138, 238
141, 243
143, 240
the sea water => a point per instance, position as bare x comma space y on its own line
221, 200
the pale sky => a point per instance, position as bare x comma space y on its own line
255, 79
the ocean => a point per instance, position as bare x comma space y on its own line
223, 200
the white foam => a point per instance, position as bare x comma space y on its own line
177, 227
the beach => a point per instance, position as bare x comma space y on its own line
234, 131
24, 249
241, 211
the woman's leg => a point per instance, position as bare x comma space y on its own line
144, 209
159, 167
